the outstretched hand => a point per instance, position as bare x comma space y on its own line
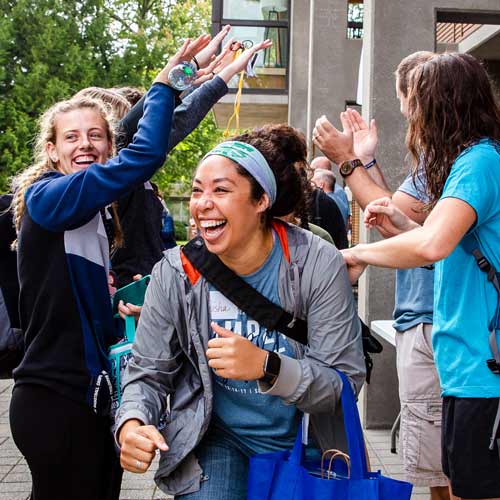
385, 216
233, 356
185, 53
355, 267
336, 146
240, 63
208, 54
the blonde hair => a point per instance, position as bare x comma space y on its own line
116, 105
42, 161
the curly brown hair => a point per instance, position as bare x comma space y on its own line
451, 105
285, 150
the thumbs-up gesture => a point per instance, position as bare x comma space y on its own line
235, 357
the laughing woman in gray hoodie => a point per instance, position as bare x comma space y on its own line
235, 389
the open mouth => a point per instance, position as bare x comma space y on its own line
212, 229
84, 161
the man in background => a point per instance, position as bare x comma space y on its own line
325, 179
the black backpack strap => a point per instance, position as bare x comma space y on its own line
240, 293
471, 245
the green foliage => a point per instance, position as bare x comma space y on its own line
49, 49
180, 230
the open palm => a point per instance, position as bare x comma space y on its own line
365, 138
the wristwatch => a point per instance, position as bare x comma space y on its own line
272, 365
347, 167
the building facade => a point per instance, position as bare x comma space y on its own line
331, 54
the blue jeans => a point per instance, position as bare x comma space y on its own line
225, 469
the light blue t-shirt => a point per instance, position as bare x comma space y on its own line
464, 301
414, 298
340, 198
260, 422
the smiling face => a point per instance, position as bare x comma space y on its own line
81, 139
228, 219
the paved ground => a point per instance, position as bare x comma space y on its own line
15, 483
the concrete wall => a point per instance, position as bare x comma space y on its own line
323, 62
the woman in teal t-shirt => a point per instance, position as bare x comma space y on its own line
454, 133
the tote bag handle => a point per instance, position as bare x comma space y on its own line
353, 430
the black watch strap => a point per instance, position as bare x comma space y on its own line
272, 366
347, 167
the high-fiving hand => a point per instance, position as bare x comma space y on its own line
185, 53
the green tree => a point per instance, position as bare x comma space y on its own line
49, 49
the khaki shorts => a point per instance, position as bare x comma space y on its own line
421, 408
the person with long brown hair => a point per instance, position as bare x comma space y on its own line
454, 134
418, 381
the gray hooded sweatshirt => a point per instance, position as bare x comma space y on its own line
169, 359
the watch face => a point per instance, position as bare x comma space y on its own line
348, 166
345, 168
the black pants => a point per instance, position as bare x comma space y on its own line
473, 469
69, 450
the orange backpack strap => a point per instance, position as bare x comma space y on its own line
191, 272
280, 229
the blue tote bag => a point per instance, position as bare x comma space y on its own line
286, 475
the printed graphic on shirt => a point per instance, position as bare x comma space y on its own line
259, 422
227, 315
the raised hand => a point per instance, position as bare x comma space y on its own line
336, 146
365, 138
383, 215
185, 53
207, 55
241, 62
233, 356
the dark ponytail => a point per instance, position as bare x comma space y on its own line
285, 150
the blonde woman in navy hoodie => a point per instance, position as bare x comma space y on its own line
59, 412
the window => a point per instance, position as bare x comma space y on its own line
254, 21
355, 13
256, 10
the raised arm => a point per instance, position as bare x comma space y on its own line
58, 202
359, 141
195, 105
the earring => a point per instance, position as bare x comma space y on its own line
54, 159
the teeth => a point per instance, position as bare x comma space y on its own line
84, 159
211, 223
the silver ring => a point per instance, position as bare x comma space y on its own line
138, 464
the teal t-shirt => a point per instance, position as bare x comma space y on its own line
464, 301
259, 422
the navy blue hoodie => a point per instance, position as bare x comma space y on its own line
63, 263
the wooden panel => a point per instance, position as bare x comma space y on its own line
454, 32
